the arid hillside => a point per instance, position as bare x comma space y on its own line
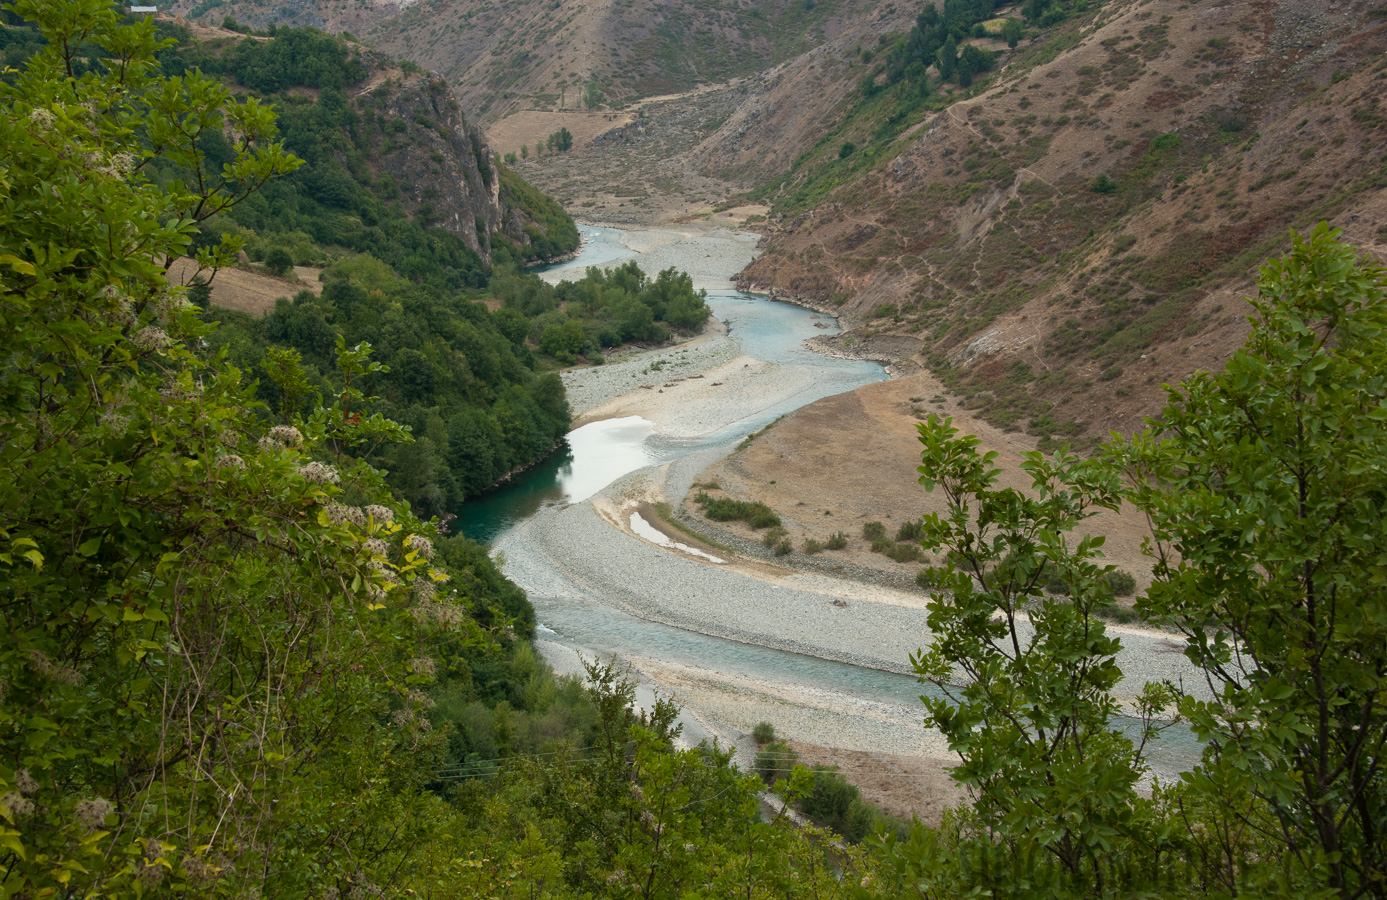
505, 56
1085, 229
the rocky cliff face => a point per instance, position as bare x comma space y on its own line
439, 163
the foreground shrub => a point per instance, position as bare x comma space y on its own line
763, 733
838, 805
775, 761
902, 552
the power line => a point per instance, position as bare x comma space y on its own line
486, 768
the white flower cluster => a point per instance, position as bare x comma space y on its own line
338, 514
381, 570
17, 806
425, 589
41, 117
364, 891
115, 421
92, 813
15, 803
152, 337
444, 615
196, 871
287, 435
231, 461
49, 669
170, 305
317, 473
380, 514
175, 393
423, 665
420, 545
151, 873
377, 547
120, 313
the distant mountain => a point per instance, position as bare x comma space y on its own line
506, 55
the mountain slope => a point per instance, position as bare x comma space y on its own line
506, 55
1060, 244
391, 165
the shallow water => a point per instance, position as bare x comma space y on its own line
597, 629
598, 453
601, 247
601, 452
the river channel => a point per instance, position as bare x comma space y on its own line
732, 648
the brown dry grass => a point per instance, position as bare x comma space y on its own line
532, 127
850, 459
247, 290
903, 786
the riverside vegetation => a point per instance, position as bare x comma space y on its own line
466, 382
236, 664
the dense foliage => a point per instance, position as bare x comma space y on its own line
345, 195
934, 41
1264, 486
555, 232
607, 308
462, 379
459, 377
233, 664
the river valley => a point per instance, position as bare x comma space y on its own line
735, 641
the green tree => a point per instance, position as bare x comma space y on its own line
593, 97
278, 261
972, 62
1033, 720
947, 59
1265, 487
1103, 184
188, 604
1012, 31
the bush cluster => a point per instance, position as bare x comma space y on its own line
725, 509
